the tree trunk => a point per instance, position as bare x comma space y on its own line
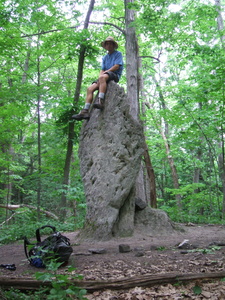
220, 23
39, 134
26, 65
151, 176
150, 187
71, 124
221, 166
172, 167
164, 133
131, 61
132, 66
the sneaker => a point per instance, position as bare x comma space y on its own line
83, 114
99, 104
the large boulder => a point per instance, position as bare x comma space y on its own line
154, 221
111, 146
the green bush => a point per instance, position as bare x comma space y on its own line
25, 224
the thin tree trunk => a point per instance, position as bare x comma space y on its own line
171, 163
151, 176
172, 166
66, 172
39, 137
197, 170
26, 65
222, 170
71, 124
196, 178
220, 22
131, 61
150, 188
164, 134
7, 148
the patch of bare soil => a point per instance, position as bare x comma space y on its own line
149, 255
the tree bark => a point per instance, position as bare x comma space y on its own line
220, 23
39, 133
131, 61
150, 187
132, 67
151, 176
132, 75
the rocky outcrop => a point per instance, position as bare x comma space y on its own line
111, 146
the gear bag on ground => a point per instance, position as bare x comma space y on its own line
55, 247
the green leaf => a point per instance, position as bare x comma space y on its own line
197, 290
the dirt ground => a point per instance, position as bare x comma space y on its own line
203, 253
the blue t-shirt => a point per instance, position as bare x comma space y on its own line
112, 59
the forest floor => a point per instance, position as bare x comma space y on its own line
149, 255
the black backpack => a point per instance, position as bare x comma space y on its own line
56, 247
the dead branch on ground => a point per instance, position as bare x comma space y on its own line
23, 283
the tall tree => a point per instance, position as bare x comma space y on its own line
82, 52
131, 59
134, 83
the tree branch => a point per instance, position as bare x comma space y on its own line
110, 24
8, 219
14, 207
28, 283
148, 56
72, 27
45, 32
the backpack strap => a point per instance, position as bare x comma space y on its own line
38, 236
26, 242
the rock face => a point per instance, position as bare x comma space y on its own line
111, 146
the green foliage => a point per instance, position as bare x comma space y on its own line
133, 6
197, 207
210, 250
161, 248
25, 224
61, 286
17, 294
187, 104
197, 290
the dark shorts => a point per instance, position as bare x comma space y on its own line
112, 76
